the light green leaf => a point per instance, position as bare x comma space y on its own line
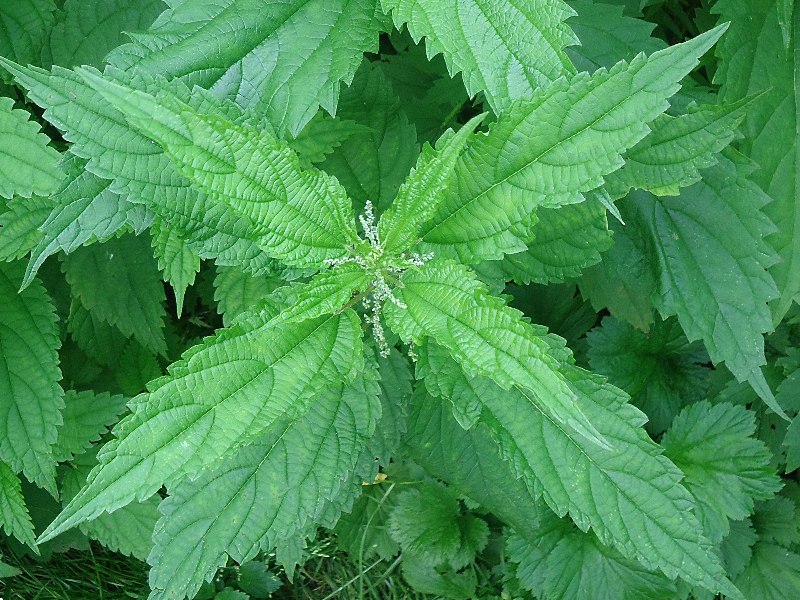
552, 149
125, 266
660, 370
177, 260
222, 393
14, 517
30, 398
566, 563
673, 154
726, 467
86, 31
86, 416
707, 247
629, 495
285, 59
266, 493
447, 303
773, 574
300, 217
322, 136
27, 163
20, 233
754, 58
24, 25
506, 50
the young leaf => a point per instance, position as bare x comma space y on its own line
266, 493
27, 163
726, 467
30, 398
503, 49
550, 150
223, 392
14, 517
285, 59
126, 266
702, 241
86, 417
446, 302
177, 260
302, 217
419, 196
629, 495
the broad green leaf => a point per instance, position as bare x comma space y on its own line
372, 164
660, 370
27, 163
24, 25
86, 30
446, 302
737, 547
177, 260
83, 211
138, 366
726, 467
14, 517
20, 226
673, 154
550, 150
565, 240
776, 521
566, 563
504, 49
285, 59
363, 532
439, 582
236, 291
629, 495
30, 398
708, 250
127, 530
322, 136
86, 417
418, 197
119, 282
302, 217
223, 392
607, 36
754, 58
266, 493
99, 339
773, 573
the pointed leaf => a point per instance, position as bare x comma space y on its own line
19, 226
176, 259
773, 573
24, 25
86, 417
14, 517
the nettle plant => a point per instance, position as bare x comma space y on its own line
380, 253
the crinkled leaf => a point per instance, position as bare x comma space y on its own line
236, 291
86, 415
223, 392
726, 467
14, 517
177, 260
629, 495
24, 25
264, 494
30, 398
506, 50
660, 370
119, 282
284, 59
20, 223
553, 148
27, 164
322, 136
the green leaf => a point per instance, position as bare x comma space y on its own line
27, 163
20, 223
707, 247
14, 516
418, 197
259, 372
446, 302
754, 59
773, 574
726, 467
566, 563
503, 49
441, 583
126, 266
552, 149
363, 532
177, 260
236, 291
737, 547
660, 370
99, 339
87, 415
322, 136
673, 154
629, 495
30, 398
301, 217
86, 31
284, 60
24, 25
776, 521
266, 493
137, 367
607, 36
